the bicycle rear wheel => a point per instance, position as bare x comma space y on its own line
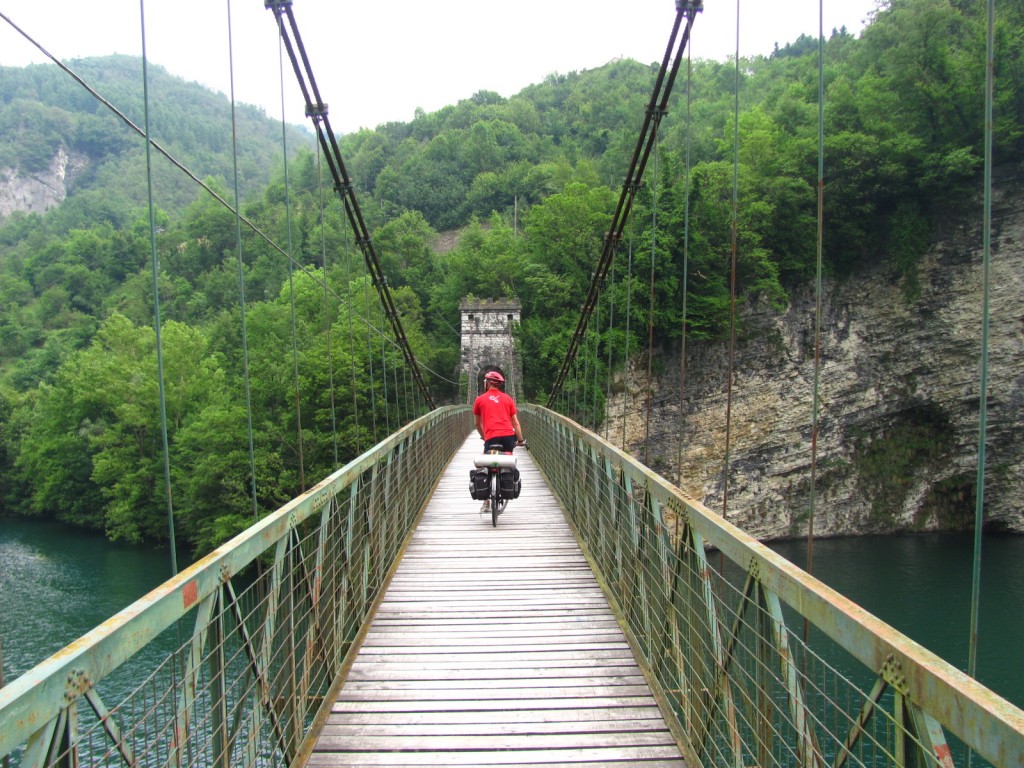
495, 501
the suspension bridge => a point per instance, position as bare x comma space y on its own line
609, 619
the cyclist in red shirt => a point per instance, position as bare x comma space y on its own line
496, 418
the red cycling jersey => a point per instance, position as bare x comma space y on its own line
495, 409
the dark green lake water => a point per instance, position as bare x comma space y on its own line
57, 583
920, 584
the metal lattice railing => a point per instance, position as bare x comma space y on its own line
228, 663
719, 621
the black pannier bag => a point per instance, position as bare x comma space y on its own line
511, 485
478, 486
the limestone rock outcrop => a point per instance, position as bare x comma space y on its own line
899, 398
38, 192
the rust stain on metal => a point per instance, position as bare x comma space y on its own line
944, 756
190, 594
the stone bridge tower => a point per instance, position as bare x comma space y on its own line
488, 344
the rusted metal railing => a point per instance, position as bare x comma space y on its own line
740, 685
230, 662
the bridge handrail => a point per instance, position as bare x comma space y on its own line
618, 507
45, 693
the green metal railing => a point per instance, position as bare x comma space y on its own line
231, 662
711, 613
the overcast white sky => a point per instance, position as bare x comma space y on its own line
377, 61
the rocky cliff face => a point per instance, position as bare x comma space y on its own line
38, 193
899, 393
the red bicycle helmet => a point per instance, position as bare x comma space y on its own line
494, 376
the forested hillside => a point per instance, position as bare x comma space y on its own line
43, 109
530, 182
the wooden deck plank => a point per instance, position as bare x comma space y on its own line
502, 705
551, 693
334, 742
485, 660
442, 682
451, 654
487, 637
494, 646
339, 730
456, 624
599, 627
515, 719
615, 757
383, 673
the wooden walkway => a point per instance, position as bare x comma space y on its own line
494, 646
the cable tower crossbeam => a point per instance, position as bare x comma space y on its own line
657, 108
316, 110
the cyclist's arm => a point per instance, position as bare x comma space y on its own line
479, 424
517, 428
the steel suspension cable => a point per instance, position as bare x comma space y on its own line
241, 269
817, 300
650, 310
686, 277
405, 395
165, 443
625, 358
979, 500
576, 392
586, 378
732, 273
351, 343
328, 324
574, 398
369, 361
657, 108
611, 345
291, 276
511, 379
384, 381
815, 399
398, 405
597, 357
404, 405
316, 110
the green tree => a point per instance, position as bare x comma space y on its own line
565, 233
405, 249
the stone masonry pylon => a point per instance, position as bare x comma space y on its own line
488, 343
